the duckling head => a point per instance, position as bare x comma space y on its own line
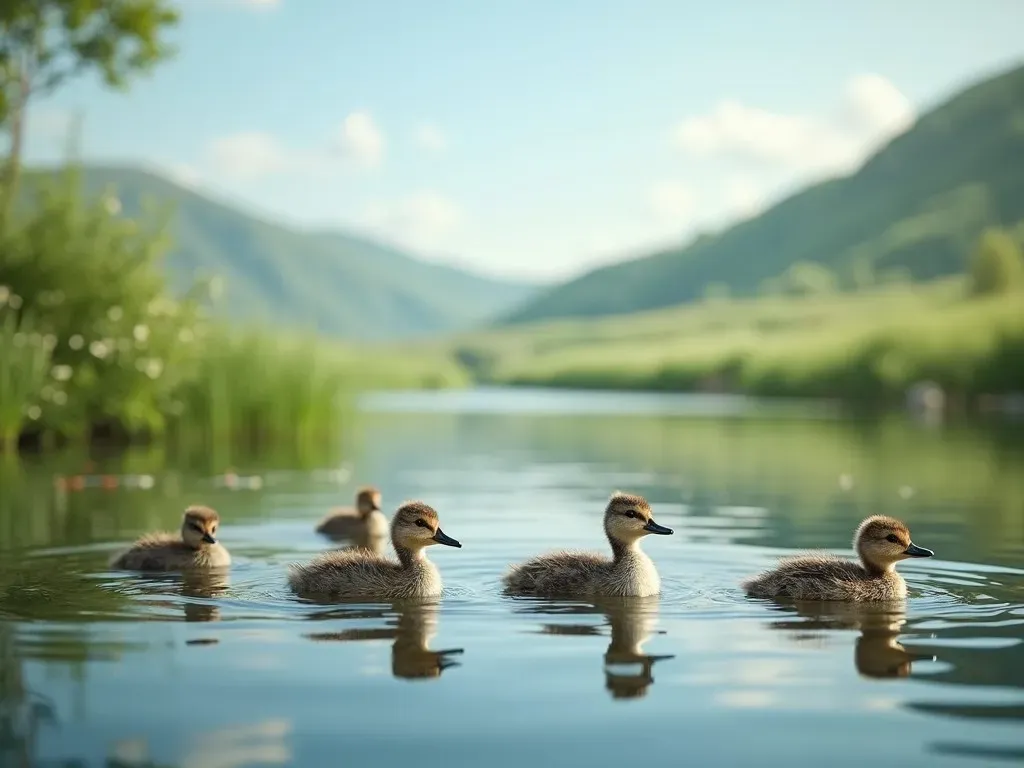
416, 526
199, 527
628, 518
883, 541
368, 501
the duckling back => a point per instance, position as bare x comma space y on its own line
167, 552
348, 523
361, 573
567, 573
825, 577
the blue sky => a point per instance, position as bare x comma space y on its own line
530, 137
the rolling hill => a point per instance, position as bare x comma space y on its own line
338, 283
915, 208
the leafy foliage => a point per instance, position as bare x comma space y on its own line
43, 43
95, 284
997, 265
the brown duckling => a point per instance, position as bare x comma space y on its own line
195, 546
365, 574
365, 521
629, 573
880, 541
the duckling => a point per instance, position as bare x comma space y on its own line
630, 572
364, 521
195, 547
361, 573
880, 541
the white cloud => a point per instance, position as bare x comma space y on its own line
871, 110
252, 154
744, 197
876, 106
430, 137
673, 200
360, 140
424, 221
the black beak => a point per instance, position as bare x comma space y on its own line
915, 551
441, 538
208, 538
653, 527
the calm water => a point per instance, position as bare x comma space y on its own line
105, 669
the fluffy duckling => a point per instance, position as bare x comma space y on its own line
364, 521
195, 547
365, 574
630, 572
880, 541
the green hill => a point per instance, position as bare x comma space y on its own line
337, 283
914, 209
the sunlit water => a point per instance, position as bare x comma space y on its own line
102, 668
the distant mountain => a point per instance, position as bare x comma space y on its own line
338, 283
915, 207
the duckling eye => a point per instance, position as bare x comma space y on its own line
196, 527
421, 523
631, 513
893, 538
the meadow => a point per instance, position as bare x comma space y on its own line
867, 347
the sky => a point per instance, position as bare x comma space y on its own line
529, 138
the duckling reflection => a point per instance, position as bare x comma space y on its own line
204, 585
196, 588
628, 671
877, 652
415, 624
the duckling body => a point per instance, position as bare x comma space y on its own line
365, 521
194, 547
365, 574
629, 573
880, 542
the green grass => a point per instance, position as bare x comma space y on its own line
857, 347
258, 385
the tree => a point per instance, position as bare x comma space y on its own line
996, 264
44, 43
806, 278
716, 292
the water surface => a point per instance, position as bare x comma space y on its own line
102, 669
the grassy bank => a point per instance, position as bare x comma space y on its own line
94, 343
868, 346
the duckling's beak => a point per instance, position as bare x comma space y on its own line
441, 538
208, 538
915, 551
653, 527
